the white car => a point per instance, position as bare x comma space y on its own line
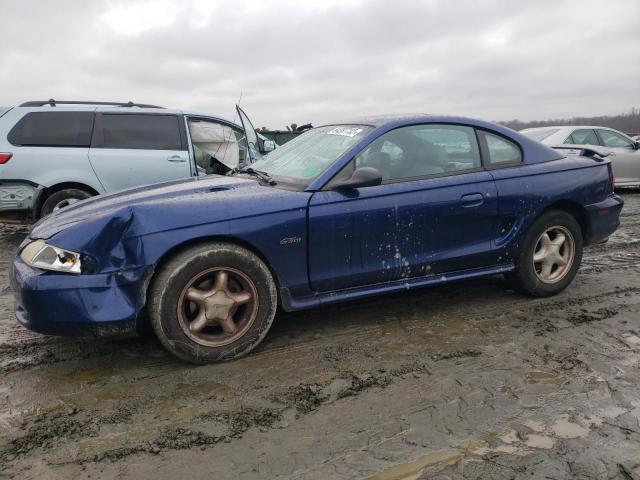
625, 152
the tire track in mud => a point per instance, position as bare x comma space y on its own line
31, 349
52, 430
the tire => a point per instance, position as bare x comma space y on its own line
530, 276
62, 199
189, 307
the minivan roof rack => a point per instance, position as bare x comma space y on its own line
53, 103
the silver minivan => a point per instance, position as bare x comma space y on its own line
55, 153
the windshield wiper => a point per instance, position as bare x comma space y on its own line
264, 176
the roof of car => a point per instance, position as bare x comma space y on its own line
388, 122
123, 109
379, 120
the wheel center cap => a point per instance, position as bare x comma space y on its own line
218, 306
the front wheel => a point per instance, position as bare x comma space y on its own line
213, 302
551, 255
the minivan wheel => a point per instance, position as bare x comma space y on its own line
62, 199
213, 302
551, 255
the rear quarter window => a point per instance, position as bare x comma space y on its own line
141, 131
498, 151
53, 129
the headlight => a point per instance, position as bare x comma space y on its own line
39, 254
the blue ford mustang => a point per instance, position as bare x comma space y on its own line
342, 212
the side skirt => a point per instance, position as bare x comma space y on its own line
291, 304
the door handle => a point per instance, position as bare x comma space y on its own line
176, 159
472, 200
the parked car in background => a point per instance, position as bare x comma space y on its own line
340, 212
56, 153
624, 151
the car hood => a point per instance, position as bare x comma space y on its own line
167, 206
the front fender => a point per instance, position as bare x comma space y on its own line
114, 242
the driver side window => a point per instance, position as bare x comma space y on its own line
417, 151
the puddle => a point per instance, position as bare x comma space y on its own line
505, 449
479, 447
564, 428
633, 340
535, 425
411, 470
509, 437
539, 441
86, 375
537, 376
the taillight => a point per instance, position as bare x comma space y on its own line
4, 157
612, 179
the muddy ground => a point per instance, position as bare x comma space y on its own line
465, 381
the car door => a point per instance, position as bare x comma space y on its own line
131, 149
258, 146
434, 213
253, 141
625, 156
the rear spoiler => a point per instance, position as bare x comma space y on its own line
595, 152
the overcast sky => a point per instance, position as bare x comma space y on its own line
301, 61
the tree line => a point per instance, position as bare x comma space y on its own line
625, 122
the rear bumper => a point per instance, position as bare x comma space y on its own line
77, 305
604, 218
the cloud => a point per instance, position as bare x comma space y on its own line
322, 61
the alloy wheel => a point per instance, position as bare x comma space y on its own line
553, 255
217, 306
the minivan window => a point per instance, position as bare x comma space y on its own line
53, 129
141, 131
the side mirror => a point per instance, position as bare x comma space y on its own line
636, 145
361, 177
268, 146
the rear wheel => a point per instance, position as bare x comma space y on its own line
212, 302
551, 255
62, 199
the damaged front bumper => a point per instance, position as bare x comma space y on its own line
104, 304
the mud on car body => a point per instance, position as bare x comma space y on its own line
341, 212
56, 153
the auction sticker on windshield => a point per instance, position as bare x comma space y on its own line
345, 131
